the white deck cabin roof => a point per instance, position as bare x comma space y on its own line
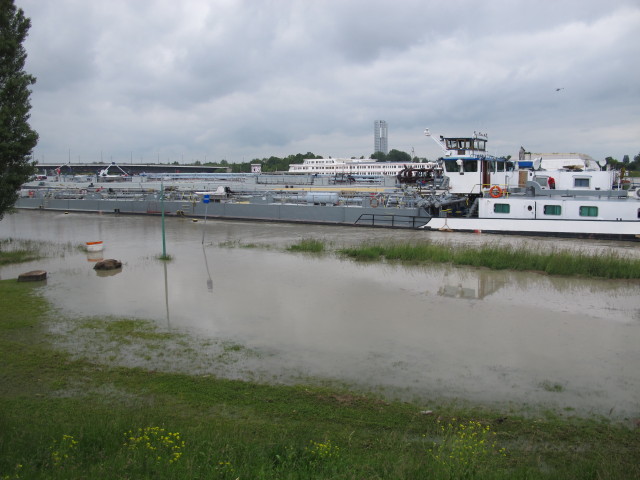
556, 161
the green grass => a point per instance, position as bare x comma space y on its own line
308, 245
499, 257
69, 418
19, 251
238, 244
552, 387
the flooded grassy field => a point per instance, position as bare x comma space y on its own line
233, 302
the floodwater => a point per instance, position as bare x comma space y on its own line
243, 307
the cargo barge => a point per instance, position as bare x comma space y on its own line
345, 207
466, 190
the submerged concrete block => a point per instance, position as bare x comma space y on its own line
108, 264
33, 276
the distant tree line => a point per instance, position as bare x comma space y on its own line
625, 163
395, 156
271, 164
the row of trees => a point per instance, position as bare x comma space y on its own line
271, 164
394, 156
625, 163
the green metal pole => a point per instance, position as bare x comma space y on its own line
164, 243
206, 207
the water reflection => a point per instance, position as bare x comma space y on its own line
206, 263
94, 257
166, 294
408, 332
475, 286
108, 273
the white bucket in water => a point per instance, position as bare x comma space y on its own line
94, 246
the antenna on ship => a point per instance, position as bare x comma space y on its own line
440, 142
602, 164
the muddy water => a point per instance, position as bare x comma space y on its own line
417, 333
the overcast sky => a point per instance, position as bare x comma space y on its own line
190, 80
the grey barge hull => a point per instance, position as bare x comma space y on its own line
351, 215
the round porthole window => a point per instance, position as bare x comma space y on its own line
529, 208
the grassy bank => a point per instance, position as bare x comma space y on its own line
18, 251
65, 418
15, 250
498, 257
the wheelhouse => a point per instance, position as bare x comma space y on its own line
469, 166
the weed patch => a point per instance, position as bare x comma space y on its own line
308, 245
556, 262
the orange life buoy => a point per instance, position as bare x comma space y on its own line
495, 191
31, 193
373, 202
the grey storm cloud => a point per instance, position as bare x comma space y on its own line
150, 79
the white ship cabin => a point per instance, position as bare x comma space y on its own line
560, 208
351, 166
568, 171
568, 179
557, 161
469, 168
472, 171
464, 147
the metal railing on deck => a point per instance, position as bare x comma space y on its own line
391, 220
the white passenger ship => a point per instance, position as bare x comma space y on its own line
355, 167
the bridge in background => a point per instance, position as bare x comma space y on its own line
129, 168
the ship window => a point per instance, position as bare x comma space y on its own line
552, 209
470, 165
501, 208
450, 166
588, 211
495, 166
582, 182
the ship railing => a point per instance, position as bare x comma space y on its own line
391, 220
284, 180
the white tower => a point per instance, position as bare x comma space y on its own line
380, 143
